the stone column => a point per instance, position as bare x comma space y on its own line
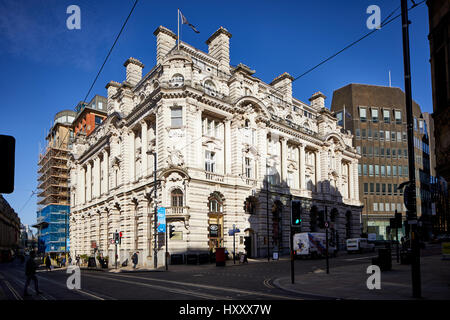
97, 174
283, 159
318, 170
144, 146
227, 138
302, 162
106, 172
133, 156
89, 182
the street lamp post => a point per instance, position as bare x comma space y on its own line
367, 216
155, 234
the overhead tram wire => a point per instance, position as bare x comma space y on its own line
93, 83
385, 22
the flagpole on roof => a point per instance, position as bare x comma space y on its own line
178, 35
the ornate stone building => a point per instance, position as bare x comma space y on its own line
221, 136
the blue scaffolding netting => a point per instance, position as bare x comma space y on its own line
53, 237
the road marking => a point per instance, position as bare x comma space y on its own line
361, 258
13, 291
179, 291
267, 284
247, 292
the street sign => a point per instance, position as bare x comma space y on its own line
161, 215
112, 241
231, 232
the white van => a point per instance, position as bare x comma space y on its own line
359, 245
312, 245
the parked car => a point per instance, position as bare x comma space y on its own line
359, 245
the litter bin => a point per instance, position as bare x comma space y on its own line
384, 259
220, 257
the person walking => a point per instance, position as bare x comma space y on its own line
30, 273
48, 263
135, 259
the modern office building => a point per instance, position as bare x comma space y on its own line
376, 116
53, 185
230, 150
89, 115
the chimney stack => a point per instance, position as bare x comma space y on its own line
111, 88
219, 48
165, 41
134, 71
318, 100
283, 83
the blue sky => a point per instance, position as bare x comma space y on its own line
47, 68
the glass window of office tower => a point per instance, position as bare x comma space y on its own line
398, 117
374, 115
386, 116
340, 118
363, 114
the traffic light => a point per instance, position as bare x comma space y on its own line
296, 210
171, 231
116, 238
120, 237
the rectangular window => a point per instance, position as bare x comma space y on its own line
176, 116
394, 153
369, 134
382, 152
377, 188
399, 171
387, 206
375, 151
374, 115
362, 114
381, 206
383, 171
383, 188
377, 170
387, 135
394, 170
357, 133
370, 151
340, 118
388, 171
358, 149
363, 133
381, 135
248, 168
359, 170
364, 151
366, 188
370, 170
371, 188
399, 136
98, 120
393, 136
375, 134
404, 136
398, 117
395, 189
210, 161
375, 206
388, 152
365, 169
389, 189
386, 116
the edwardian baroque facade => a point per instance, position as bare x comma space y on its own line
230, 149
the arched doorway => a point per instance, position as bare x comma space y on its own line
215, 221
277, 209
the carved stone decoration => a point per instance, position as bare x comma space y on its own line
176, 158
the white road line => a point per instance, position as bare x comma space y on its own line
13, 291
361, 258
247, 292
178, 291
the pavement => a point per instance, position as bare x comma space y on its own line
350, 282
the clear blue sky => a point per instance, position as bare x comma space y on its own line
46, 68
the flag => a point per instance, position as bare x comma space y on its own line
348, 115
185, 21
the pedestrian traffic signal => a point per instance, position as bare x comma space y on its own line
296, 210
171, 231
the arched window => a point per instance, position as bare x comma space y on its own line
177, 198
210, 88
215, 203
177, 80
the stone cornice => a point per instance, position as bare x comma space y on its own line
281, 77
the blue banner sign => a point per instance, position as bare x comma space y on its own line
161, 223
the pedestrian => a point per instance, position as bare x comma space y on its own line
70, 260
135, 259
78, 260
48, 263
30, 273
63, 263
